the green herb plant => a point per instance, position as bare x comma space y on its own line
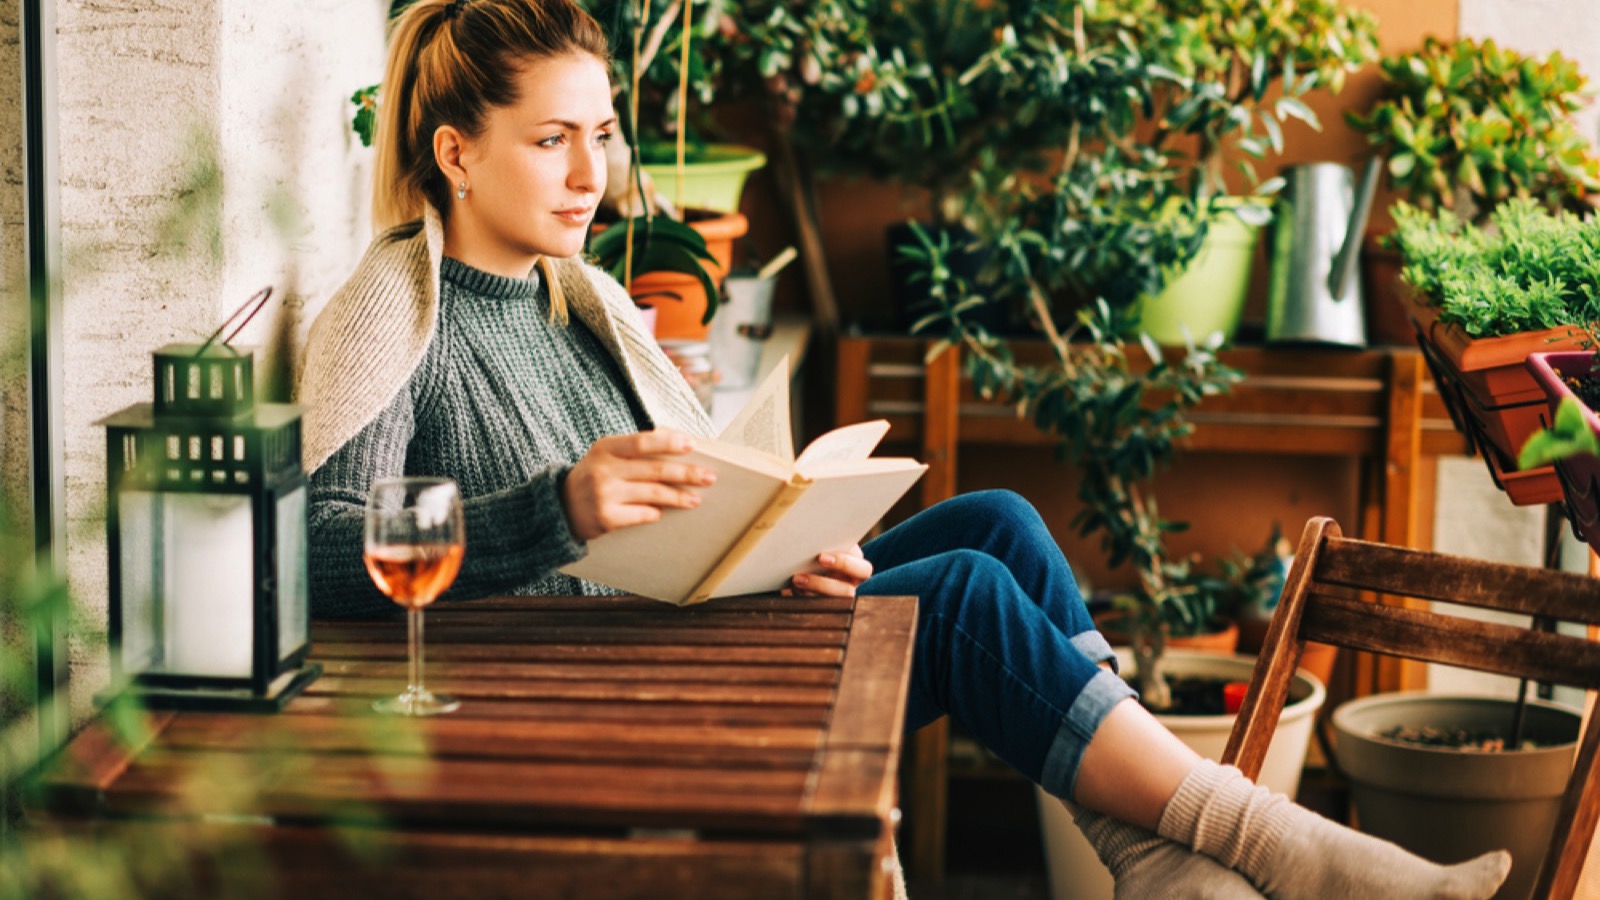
1526, 269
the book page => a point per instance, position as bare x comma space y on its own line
665, 559
832, 512
852, 442
763, 423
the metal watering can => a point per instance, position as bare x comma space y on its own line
1315, 294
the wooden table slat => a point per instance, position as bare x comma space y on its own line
722, 605
460, 616
868, 690
330, 734
617, 634
324, 648
705, 673
711, 715
311, 863
606, 692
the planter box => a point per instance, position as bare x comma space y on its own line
1492, 397
1076, 872
1578, 476
1451, 805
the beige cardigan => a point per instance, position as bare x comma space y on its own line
371, 336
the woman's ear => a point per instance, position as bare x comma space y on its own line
449, 145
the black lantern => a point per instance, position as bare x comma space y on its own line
207, 531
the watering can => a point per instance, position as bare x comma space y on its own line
1315, 291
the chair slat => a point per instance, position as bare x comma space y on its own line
1578, 816
1452, 641
1456, 579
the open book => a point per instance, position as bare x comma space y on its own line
768, 516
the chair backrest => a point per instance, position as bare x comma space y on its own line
1321, 602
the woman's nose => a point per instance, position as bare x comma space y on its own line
588, 172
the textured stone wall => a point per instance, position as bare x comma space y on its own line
13, 394
236, 111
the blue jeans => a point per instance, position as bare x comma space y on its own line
1004, 645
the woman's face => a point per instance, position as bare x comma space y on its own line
537, 170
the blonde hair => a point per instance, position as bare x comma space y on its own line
450, 62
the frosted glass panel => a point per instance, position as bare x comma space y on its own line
208, 573
137, 525
293, 616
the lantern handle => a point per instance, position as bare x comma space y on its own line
258, 300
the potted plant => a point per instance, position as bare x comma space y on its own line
944, 97
1467, 125
671, 255
1482, 299
1452, 776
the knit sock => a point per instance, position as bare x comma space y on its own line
1290, 852
1149, 867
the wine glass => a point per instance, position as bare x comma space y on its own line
413, 544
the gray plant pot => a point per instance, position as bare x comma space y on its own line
1451, 805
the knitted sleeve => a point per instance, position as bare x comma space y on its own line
514, 536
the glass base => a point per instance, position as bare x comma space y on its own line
417, 703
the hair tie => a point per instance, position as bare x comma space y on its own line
454, 8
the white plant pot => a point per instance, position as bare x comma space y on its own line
1075, 871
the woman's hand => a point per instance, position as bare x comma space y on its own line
623, 481
843, 571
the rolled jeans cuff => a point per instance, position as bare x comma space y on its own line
1078, 726
1094, 645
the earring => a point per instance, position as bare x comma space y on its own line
461, 191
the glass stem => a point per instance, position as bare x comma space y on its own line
414, 640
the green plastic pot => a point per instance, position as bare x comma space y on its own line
1209, 296
713, 177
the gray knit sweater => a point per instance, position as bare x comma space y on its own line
504, 401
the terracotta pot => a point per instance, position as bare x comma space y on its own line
1492, 397
679, 300
1225, 640
1387, 322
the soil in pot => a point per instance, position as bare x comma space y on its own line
1196, 695
1586, 387
1467, 740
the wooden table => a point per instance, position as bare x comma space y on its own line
604, 748
1375, 405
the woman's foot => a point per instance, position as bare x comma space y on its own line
1147, 866
1290, 852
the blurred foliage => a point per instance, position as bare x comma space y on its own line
1469, 120
134, 858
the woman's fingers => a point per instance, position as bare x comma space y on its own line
807, 584
627, 480
847, 564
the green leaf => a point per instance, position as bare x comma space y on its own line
1570, 437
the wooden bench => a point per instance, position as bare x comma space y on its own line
605, 748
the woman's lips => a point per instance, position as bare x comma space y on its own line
577, 215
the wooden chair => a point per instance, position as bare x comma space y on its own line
1320, 603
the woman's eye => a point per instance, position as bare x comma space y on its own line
603, 137
553, 140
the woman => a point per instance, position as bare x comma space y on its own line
471, 342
